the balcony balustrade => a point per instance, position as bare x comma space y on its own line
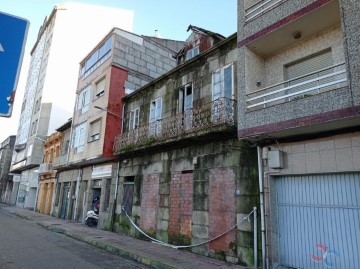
45, 168
259, 8
219, 113
330, 78
60, 160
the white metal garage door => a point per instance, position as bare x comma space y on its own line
319, 221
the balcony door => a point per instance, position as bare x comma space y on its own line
222, 94
186, 105
155, 117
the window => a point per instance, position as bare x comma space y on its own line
34, 127
222, 84
186, 104
134, 118
155, 116
97, 58
192, 53
222, 93
298, 72
79, 137
100, 88
37, 105
64, 145
94, 130
84, 100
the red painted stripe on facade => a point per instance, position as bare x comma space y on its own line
284, 21
303, 121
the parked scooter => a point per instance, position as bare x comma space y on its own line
92, 216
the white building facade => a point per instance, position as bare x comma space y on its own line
69, 32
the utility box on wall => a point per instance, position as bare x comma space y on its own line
276, 159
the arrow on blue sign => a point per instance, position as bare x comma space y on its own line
13, 33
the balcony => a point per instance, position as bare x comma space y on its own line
323, 80
259, 8
217, 116
46, 168
60, 160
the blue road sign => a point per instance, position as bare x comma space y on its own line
13, 32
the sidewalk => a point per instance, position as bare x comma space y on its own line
145, 252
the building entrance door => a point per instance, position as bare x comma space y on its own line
65, 201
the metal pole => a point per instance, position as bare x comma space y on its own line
255, 239
262, 206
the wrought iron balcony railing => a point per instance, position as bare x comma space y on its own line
46, 168
218, 113
330, 78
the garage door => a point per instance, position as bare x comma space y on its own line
319, 221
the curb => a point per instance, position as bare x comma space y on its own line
146, 260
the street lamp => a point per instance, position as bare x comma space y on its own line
105, 109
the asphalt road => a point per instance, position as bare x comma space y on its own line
26, 245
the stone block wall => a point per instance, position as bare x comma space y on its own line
188, 196
144, 59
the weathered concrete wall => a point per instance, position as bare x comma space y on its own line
188, 196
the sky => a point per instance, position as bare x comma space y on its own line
170, 18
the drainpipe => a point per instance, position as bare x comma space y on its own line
262, 211
115, 195
77, 190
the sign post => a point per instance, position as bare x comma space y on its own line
13, 33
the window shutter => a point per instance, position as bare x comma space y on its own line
100, 87
95, 127
309, 65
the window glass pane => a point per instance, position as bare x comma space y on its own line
131, 122
152, 111
196, 51
136, 121
158, 108
228, 82
216, 85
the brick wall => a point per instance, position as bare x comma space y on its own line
149, 202
181, 198
222, 211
